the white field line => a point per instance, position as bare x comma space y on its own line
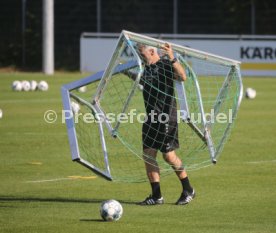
67, 178
52, 180
35, 133
262, 161
27, 101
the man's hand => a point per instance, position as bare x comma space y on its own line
179, 72
168, 50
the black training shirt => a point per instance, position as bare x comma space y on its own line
158, 91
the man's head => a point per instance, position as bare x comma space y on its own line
148, 53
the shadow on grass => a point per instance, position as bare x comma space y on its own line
58, 199
92, 220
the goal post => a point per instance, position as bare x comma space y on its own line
113, 147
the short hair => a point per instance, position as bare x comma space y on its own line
146, 47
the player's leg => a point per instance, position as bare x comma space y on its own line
170, 144
176, 163
152, 168
150, 147
153, 173
188, 192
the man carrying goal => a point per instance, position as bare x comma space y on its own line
160, 130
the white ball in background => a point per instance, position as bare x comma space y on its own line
33, 85
16, 85
75, 107
140, 87
26, 86
43, 86
82, 89
1, 113
250, 93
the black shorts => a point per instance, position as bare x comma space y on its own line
160, 136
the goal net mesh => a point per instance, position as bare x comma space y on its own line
129, 86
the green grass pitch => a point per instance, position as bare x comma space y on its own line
236, 195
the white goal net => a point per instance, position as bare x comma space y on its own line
200, 110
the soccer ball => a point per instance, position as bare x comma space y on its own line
111, 210
26, 86
250, 93
33, 85
1, 113
75, 107
82, 89
140, 87
43, 86
16, 85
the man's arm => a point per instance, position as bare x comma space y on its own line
179, 72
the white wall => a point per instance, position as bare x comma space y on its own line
258, 56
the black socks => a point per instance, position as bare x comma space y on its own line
186, 184
156, 190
